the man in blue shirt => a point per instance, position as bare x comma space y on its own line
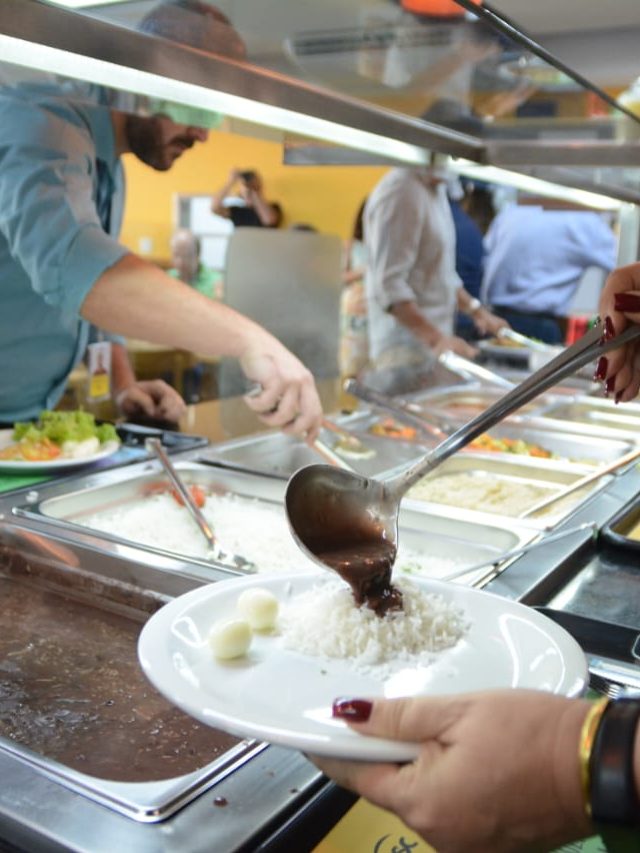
62, 268
535, 260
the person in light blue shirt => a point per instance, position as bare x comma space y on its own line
61, 196
62, 269
535, 260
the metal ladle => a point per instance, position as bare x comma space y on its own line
349, 523
214, 552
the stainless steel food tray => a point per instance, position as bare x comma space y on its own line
570, 448
551, 477
436, 533
592, 415
75, 705
463, 403
279, 455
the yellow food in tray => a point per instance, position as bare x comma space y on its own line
487, 443
506, 343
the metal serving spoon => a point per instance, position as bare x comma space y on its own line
349, 523
215, 552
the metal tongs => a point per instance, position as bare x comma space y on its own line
215, 552
470, 370
408, 413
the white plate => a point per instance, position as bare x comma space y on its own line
283, 697
11, 466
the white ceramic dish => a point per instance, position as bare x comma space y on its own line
284, 697
11, 466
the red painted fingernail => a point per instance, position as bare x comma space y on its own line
609, 331
601, 368
354, 710
609, 385
618, 397
629, 301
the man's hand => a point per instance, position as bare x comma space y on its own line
289, 398
487, 323
153, 398
455, 344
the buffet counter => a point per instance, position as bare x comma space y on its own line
84, 562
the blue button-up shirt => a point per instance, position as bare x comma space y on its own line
536, 257
53, 246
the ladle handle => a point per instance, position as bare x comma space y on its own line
564, 364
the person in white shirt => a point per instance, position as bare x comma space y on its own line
411, 283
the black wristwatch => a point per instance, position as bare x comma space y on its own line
615, 801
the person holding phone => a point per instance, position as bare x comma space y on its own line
249, 206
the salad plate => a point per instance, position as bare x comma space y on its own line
23, 466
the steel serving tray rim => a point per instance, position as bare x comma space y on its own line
34, 556
448, 531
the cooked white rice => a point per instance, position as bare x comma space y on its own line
252, 528
485, 492
326, 622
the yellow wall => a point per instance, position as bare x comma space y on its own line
326, 197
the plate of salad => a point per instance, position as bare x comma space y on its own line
56, 440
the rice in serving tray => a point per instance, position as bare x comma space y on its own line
480, 491
326, 622
252, 528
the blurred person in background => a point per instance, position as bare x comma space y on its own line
63, 269
187, 266
472, 210
412, 287
354, 343
537, 254
249, 207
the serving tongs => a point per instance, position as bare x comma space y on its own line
470, 370
334, 514
408, 413
215, 552
583, 482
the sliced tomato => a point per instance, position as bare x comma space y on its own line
197, 493
42, 450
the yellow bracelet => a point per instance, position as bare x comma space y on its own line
587, 737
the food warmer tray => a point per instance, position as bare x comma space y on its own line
572, 449
440, 532
623, 530
279, 455
69, 595
461, 403
590, 415
75, 704
544, 475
